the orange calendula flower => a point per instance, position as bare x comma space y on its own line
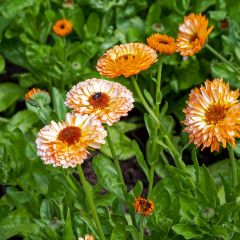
143, 206
192, 34
161, 43
213, 115
105, 100
126, 59
37, 97
66, 144
63, 27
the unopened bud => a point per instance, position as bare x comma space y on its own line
37, 97
208, 213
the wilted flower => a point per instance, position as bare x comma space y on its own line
63, 27
213, 115
143, 206
105, 100
192, 34
37, 97
66, 144
126, 59
161, 43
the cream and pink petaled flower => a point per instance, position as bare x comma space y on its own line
213, 115
192, 34
66, 144
107, 101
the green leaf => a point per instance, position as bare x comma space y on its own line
2, 64
23, 120
11, 7
140, 159
134, 232
45, 210
92, 25
58, 104
78, 21
207, 186
118, 233
68, 232
9, 94
187, 231
107, 175
123, 145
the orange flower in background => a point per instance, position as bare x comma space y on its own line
63, 27
192, 34
105, 100
213, 115
126, 59
143, 206
161, 43
66, 144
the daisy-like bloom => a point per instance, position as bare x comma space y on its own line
161, 43
126, 59
107, 101
192, 34
37, 97
143, 206
213, 115
62, 27
66, 144
87, 237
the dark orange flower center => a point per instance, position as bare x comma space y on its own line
143, 206
125, 58
62, 26
99, 100
193, 38
215, 113
70, 135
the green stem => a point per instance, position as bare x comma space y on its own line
175, 154
144, 103
116, 162
217, 54
90, 202
233, 166
158, 83
141, 228
151, 178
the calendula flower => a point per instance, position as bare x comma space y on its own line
87, 237
63, 27
126, 59
161, 43
67, 144
143, 206
37, 97
107, 101
192, 34
213, 115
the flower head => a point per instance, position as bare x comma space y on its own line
213, 115
105, 100
161, 43
143, 206
126, 59
87, 237
37, 97
63, 27
66, 144
192, 34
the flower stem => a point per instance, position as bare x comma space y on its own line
139, 93
90, 202
233, 166
217, 54
116, 162
151, 178
158, 83
141, 228
175, 154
